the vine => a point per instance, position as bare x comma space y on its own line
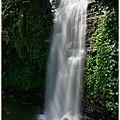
102, 67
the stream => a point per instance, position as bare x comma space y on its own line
17, 109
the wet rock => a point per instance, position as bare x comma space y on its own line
68, 116
65, 118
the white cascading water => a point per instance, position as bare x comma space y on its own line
66, 62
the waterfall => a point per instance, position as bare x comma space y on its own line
66, 62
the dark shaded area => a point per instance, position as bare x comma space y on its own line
27, 26
14, 109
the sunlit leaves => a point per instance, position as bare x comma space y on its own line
104, 64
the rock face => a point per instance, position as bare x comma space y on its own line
90, 26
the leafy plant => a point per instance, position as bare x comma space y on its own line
102, 68
26, 25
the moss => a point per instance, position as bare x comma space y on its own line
26, 26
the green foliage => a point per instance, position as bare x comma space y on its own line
26, 25
102, 68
